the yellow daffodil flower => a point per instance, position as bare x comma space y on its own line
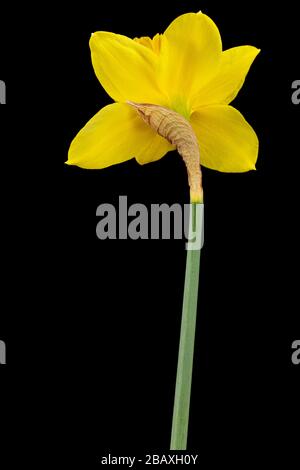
172, 91
184, 70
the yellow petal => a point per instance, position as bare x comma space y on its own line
116, 134
223, 88
156, 149
227, 142
190, 56
125, 68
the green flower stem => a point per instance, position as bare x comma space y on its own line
187, 340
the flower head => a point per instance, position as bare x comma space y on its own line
184, 70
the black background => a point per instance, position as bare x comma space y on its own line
92, 327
